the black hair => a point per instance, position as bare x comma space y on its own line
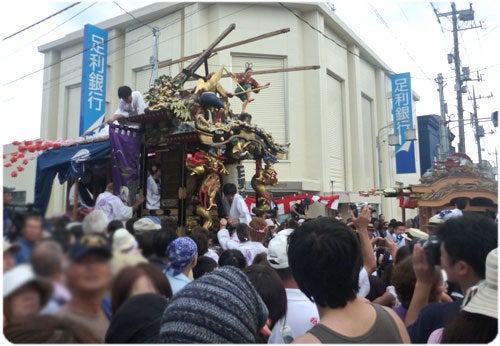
232, 258
204, 265
461, 203
124, 92
162, 239
201, 240
129, 225
114, 225
469, 238
63, 237
229, 189
248, 69
242, 232
325, 257
470, 328
397, 224
270, 288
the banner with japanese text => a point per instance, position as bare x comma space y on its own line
403, 120
94, 66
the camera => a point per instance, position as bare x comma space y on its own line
357, 207
432, 247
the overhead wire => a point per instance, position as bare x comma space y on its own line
131, 15
26, 45
40, 21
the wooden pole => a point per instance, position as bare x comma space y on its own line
231, 45
76, 197
256, 89
278, 70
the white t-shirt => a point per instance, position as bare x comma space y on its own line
136, 107
238, 209
301, 315
152, 194
113, 207
250, 249
226, 241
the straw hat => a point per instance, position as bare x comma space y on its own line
485, 301
415, 233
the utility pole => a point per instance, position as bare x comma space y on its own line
443, 130
154, 58
463, 15
479, 133
479, 130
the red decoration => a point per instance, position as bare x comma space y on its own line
28, 142
31, 149
57, 145
25, 161
13, 174
4, 156
13, 159
7, 165
20, 168
39, 141
16, 143
22, 148
20, 156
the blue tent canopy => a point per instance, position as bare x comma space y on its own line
67, 163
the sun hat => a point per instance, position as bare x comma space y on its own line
90, 243
12, 247
276, 250
220, 307
22, 275
485, 301
415, 233
146, 224
180, 253
123, 241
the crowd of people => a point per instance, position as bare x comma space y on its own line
115, 278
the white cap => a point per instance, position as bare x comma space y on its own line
22, 275
276, 250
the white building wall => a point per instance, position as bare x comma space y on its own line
315, 124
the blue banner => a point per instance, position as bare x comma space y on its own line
403, 119
94, 66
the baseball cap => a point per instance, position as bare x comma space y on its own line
8, 189
90, 243
276, 250
146, 224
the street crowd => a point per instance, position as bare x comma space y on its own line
116, 278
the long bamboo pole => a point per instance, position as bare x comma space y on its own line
231, 45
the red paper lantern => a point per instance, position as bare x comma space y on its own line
28, 142
31, 149
39, 141
13, 174
20, 168
57, 145
13, 159
20, 156
16, 143
25, 161
7, 165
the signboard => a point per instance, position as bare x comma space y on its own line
403, 119
94, 66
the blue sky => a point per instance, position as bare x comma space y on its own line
405, 34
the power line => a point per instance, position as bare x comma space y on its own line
52, 30
131, 15
41, 21
334, 41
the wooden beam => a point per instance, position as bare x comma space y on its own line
231, 45
278, 70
